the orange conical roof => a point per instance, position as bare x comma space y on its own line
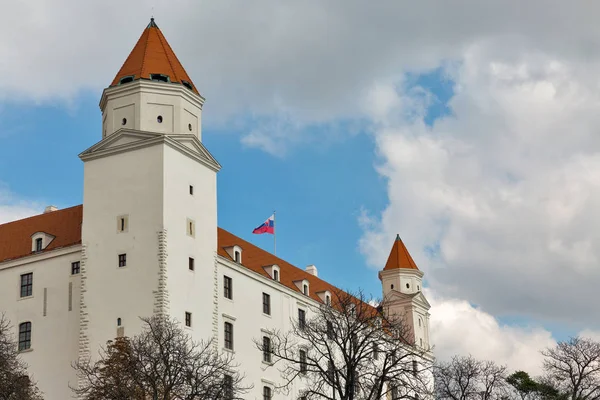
399, 257
153, 55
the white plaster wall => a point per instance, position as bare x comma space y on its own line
141, 102
190, 291
54, 337
246, 309
123, 184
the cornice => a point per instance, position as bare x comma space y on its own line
147, 86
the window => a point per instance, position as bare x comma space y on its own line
229, 335
330, 371
188, 319
421, 342
159, 119
237, 256
227, 287
415, 367
329, 330
191, 264
191, 190
305, 290
301, 318
266, 303
276, 275
303, 366
122, 223
267, 393
187, 84
27, 285
75, 268
38, 244
266, 349
419, 322
395, 393
328, 300
160, 78
24, 336
122, 260
118, 321
191, 228
228, 387
408, 286
126, 79
375, 351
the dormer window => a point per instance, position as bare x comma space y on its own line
235, 252
303, 286
40, 240
187, 85
126, 79
276, 275
325, 297
160, 78
328, 300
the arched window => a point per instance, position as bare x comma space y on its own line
24, 336
267, 393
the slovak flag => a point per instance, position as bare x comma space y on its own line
267, 227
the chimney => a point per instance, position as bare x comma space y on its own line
50, 209
311, 269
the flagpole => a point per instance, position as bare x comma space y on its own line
274, 235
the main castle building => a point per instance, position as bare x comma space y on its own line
146, 241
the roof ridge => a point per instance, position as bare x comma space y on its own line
162, 43
39, 215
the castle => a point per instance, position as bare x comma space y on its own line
146, 241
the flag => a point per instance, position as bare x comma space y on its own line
267, 227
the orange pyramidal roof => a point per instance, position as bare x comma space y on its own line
399, 257
152, 55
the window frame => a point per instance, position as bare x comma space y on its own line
26, 284
25, 330
266, 300
228, 335
266, 350
301, 318
302, 357
75, 267
191, 264
267, 393
188, 319
227, 287
122, 258
39, 244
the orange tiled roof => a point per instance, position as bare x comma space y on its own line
399, 257
64, 225
153, 55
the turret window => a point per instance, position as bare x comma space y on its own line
408, 286
126, 79
160, 78
124, 121
190, 127
159, 119
187, 85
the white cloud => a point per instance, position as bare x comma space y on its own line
12, 208
504, 190
310, 61
459, 328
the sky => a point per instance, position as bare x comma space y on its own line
467, 127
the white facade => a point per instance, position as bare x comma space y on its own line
150, 196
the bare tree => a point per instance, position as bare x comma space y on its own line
15, 383
466, 378
161, 363
348, 350
573, 367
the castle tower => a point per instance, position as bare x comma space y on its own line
149, 231
402, 284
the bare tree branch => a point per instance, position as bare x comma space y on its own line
161, 363
349, 350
